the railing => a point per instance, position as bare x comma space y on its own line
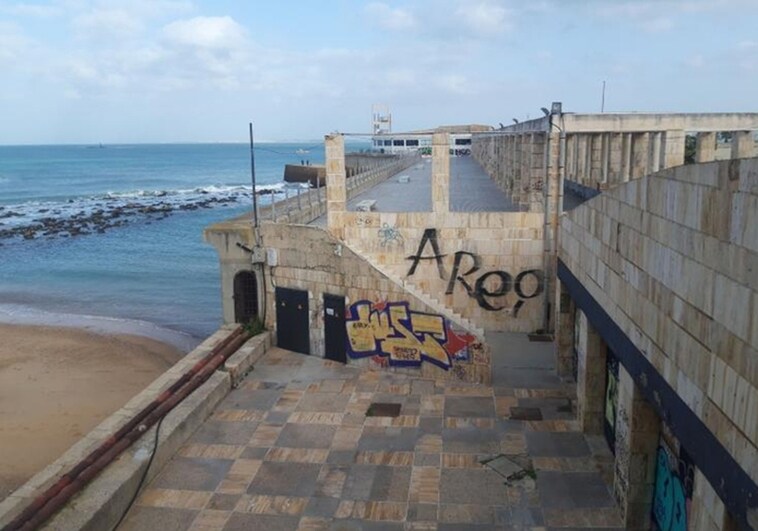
301, 205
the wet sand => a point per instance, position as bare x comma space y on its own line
56, 384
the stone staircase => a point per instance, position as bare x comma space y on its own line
399, 278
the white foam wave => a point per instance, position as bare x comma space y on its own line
27, 315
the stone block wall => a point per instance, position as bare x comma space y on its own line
308, 258
489, 267
672, 259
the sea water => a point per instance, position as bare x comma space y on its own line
151, 275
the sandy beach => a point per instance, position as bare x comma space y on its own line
56, 384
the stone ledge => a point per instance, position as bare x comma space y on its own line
241, 362
177, 426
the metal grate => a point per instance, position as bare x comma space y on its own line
383, 409
526, 413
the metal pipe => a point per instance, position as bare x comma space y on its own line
56, 496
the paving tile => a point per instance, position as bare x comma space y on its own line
275, 505
141, 518
322, 506
470, 440
360, 480
422, 512
314, 523
425, 485
571, 490
306, 436
210, 520
260, 399
331, 480
341, 457
398, 439
260, 522
467, 406
174, 499
471, 486
287, 479
254, 452
192, 474
466, 514
224, 502
224, 432
426, 459
547, 444
390, 483
324, 402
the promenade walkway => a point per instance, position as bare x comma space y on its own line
471, 190
293, 448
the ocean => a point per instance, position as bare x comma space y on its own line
110, 237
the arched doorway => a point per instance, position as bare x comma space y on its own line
245, 297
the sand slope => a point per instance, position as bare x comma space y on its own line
56, 384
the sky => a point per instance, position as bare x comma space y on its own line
128, 71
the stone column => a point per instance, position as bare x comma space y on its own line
706, 147
655, 152
615, 156
637, 435
673, 149
537, 177
336, 194
440, 172
743, 145
564, 332
517, 157
590, 387
582, 169
626, 157
640, 154
596, 160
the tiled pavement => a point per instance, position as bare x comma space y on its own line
291, 448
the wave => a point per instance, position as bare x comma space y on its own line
97, 213
28, 315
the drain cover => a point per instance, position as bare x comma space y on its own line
383, 409
526, 413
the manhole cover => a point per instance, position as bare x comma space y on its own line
383, 409
526, 413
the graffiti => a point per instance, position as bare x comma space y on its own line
674, 479
366, 221
389, 235
611, 399
391, 333
490, 285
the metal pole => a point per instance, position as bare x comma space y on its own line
252, 171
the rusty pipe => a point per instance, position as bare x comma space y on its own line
38, 511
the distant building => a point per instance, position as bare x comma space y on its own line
421, 140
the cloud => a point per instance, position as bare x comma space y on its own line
109, 23
32, 10
212, 33
484, 18
657, 24
13, 43
386, 17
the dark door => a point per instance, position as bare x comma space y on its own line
292, 331
334, 328
245, 297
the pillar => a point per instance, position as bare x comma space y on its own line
706, 147
637, 436
673, 148
590, 392
626, 157
582, 168
336, 194
640, 154
596, 159
564, 333
537, 174
517, 156
743, 145
440, 172
655, 151
615, 156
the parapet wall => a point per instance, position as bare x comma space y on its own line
387, 326
672, 259
487, 266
